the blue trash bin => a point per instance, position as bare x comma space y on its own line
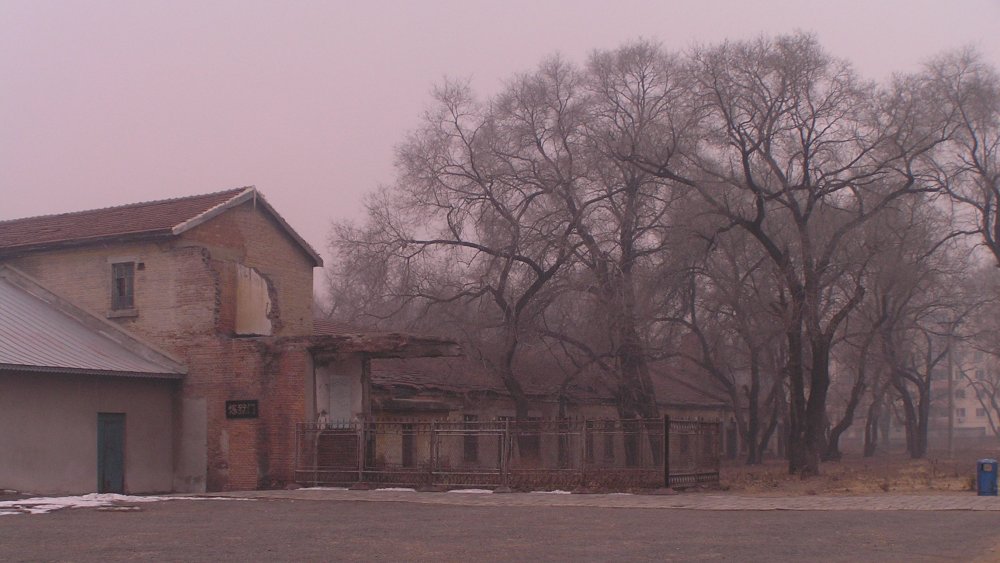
986, 477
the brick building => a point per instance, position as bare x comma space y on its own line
214, 293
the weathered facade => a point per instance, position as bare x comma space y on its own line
222, 286
221, 283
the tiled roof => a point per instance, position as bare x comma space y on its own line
462, 375
40, 333
456, 375
147, 218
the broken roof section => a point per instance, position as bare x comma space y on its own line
332, 339
39, 332
538, 378
163, 218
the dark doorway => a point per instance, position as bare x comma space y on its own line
110, 452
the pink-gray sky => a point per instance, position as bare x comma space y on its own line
111, 102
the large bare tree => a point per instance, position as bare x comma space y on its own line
799, 153
965, 91
726, 195
469, 221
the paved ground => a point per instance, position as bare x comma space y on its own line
692, 501
367, 526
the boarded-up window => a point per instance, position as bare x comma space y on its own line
123, 285
253, 303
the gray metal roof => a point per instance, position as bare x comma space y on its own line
46, 335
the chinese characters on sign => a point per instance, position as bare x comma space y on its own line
241, 409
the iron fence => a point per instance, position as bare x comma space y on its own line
528, 454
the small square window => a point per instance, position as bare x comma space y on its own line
123, 286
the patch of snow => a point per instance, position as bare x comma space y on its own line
323, 489
472, 491
42, 505
9, 512
397, 490
555, 492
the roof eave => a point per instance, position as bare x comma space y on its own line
381, 345
58, 370
9, 251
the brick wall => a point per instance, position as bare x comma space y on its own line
247, 235
185, 303
174, 291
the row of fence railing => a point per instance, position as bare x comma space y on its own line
530, 454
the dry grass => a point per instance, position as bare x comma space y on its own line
888, 473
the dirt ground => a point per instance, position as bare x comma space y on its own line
894, 472
289, 530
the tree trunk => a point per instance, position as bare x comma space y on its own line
923, 419
871, 428
815, 423
909, 416
753, 414
872, 417
768, 433
833, 442
795, 431
637, 397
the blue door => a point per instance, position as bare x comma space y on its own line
110, 452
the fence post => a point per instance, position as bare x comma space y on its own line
298, 451
434, 452
505, 454
666, 450
362, 450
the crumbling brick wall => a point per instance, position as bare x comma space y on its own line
185, 304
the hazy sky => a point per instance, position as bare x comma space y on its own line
104, 103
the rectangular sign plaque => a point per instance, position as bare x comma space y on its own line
241, 409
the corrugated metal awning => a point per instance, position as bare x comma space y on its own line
41, 336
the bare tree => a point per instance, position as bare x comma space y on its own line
566, 207
921, 304
729, 317
469, 221
965, 91
629, 227
800, 154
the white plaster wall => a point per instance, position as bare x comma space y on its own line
48, 431
191, 445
